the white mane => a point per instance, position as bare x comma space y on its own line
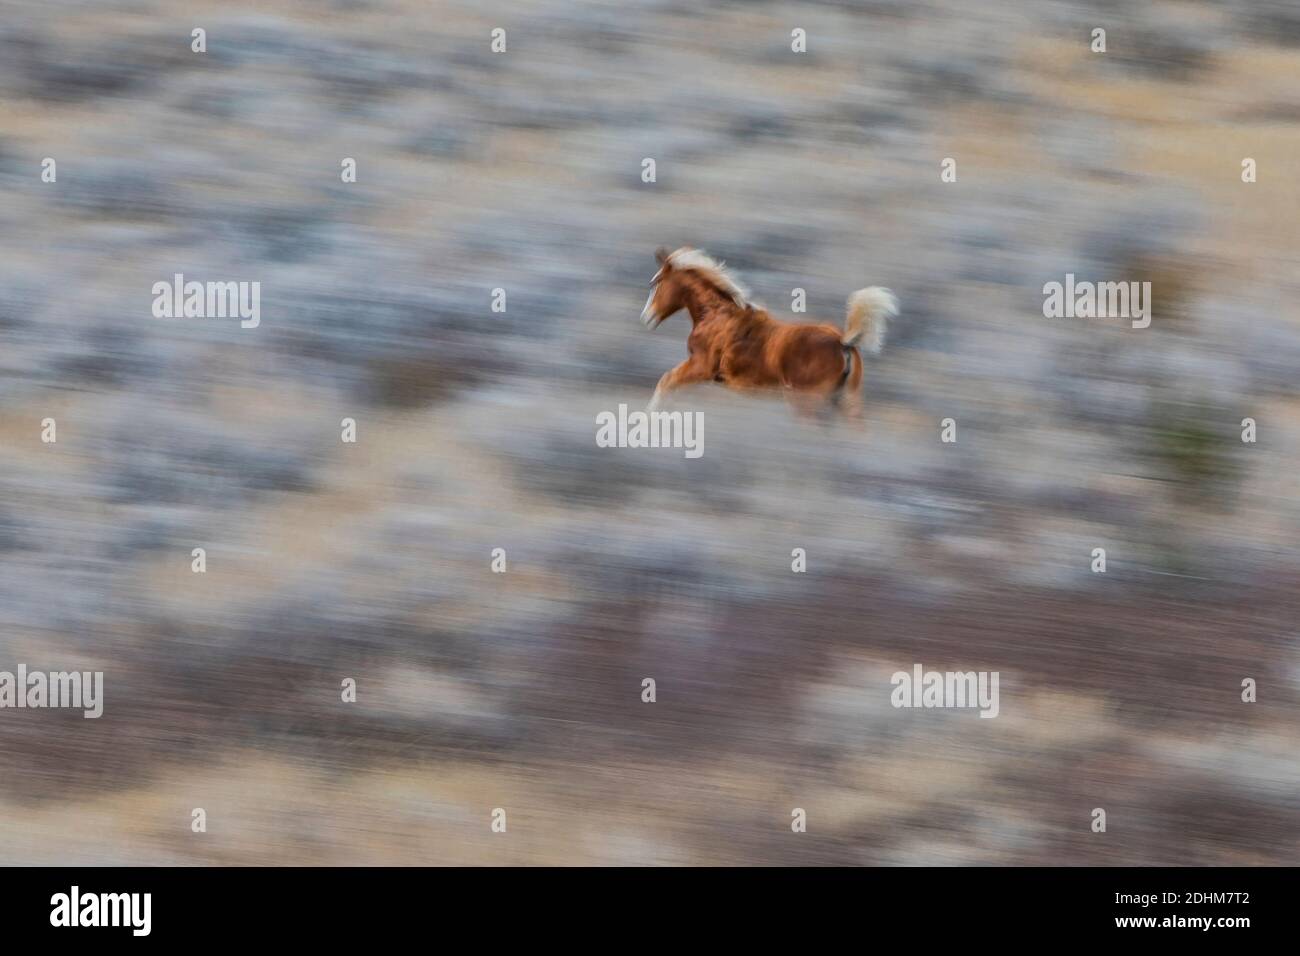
711, 269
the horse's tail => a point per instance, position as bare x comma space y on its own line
869, 310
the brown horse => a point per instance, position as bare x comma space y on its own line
742, 347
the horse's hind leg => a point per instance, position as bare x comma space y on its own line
849, 403
806, 405
849, 395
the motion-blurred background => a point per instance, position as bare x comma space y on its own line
522, 170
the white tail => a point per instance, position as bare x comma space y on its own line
869, 310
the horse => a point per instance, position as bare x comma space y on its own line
740, 346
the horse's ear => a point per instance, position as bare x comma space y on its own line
661, 255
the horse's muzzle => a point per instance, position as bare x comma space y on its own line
648, 317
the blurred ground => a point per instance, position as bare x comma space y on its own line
522, 171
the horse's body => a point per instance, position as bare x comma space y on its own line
742, 347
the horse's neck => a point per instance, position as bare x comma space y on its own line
704, 302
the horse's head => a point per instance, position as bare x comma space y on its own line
668, 293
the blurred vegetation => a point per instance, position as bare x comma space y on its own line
1192, 445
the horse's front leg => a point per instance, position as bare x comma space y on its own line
689, 372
